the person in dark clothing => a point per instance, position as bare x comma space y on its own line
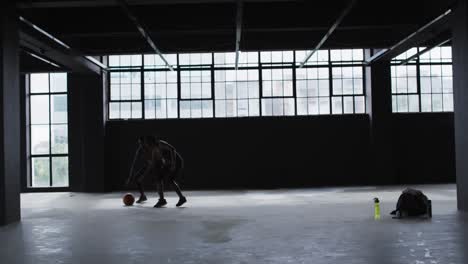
163, 162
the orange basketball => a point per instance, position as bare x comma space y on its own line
128, 199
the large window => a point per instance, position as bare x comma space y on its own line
48, 130
424, 84
207, 85
237, 93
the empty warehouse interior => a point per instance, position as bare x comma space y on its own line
280, 120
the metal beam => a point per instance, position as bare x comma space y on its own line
238, 29
56, 41
66, 59
330, 31
425, 51
411, 36
103, 3
143, 31
42, 59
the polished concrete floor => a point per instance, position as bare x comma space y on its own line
327, 225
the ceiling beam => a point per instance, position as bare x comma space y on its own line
103, 3
143, 31
395, 49
424, 51
330, 31
67, 59
42, 59
238, 29
73, 53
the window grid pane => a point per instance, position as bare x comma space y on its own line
48, 130
425, 84
192, 92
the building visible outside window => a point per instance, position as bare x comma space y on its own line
237, 93
48, 130
125, 87
424, 84
208, 85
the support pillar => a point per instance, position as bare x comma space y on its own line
87, 130
379, 107
9, 116
460, 89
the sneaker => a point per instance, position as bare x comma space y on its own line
182, 200
142, 199
160, 203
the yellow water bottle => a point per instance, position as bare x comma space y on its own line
376, 209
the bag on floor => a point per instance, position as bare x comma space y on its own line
412, 203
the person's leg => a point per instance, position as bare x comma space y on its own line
176, 174
139, 182
161, 202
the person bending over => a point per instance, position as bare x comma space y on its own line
163, 162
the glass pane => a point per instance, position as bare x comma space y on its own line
58, 82
289, 107
413, 103
254, 107
40, 172
267, 107
220, 108
302, 106
425, 84
59, 109
337, 105
448, 102
136, 110
437, 103
150, 109
59, 139
172, 107
359, 105
115, 92
348, 86
39, 83
426, 103
324, 105
161, 109
114, 110
231, 108
348, 105
207, 108
60, 171
196, 107
40, 139
402, 103
136, 91
185, 109
278, 107
125, 92
125, 110
39, 109
313, 106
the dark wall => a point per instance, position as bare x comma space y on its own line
423, 148
288, 152
252, 152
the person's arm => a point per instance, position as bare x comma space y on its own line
172, 153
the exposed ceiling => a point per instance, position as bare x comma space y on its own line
101, 27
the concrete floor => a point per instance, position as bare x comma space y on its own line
330, 225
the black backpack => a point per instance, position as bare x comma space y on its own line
412, 203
